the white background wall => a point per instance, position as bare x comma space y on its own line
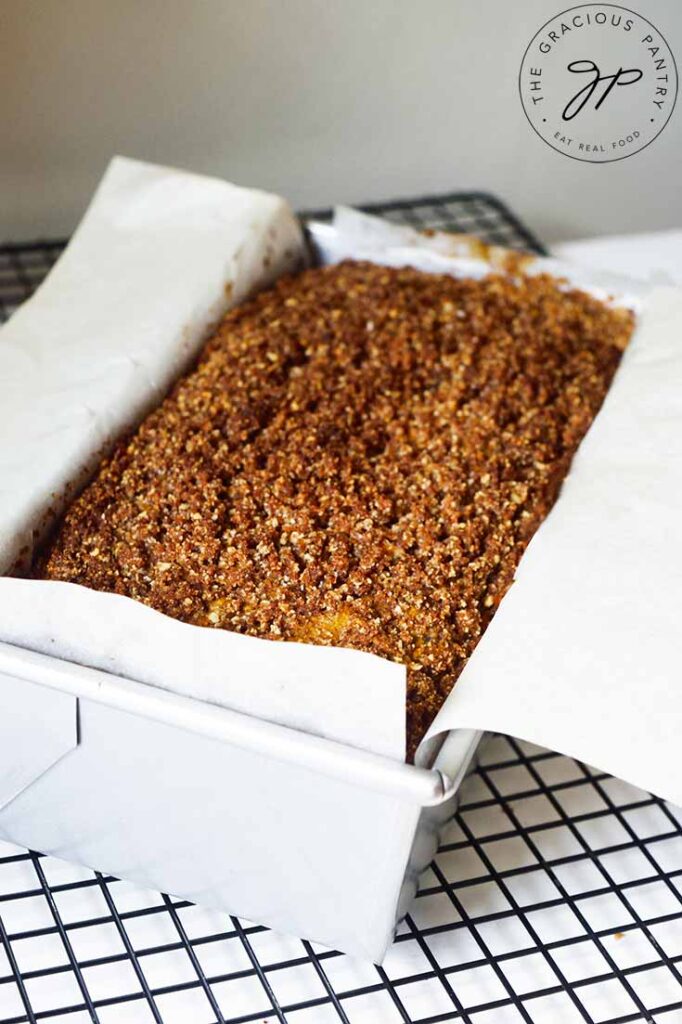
321, 100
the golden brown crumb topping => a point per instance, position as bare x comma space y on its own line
359, 458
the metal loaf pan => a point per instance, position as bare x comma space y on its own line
300, 833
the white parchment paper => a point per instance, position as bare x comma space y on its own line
583, 653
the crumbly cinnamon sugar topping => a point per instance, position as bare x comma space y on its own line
359, 458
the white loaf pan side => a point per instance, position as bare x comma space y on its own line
300, 833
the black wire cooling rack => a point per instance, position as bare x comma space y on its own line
556, 896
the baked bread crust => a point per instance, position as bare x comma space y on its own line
359, 457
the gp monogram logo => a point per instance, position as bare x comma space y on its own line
598, 82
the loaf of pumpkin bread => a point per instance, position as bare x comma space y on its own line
358, 457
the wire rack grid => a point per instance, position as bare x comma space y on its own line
555, 898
